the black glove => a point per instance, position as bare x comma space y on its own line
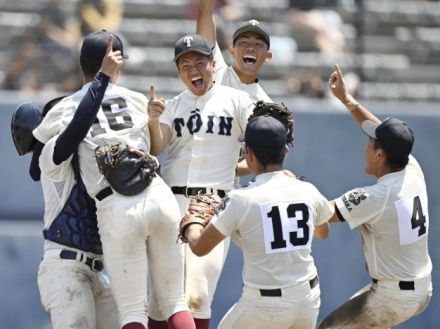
128, 171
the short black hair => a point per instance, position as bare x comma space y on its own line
266, 156
394, 163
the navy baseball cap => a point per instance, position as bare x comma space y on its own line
266, 132
192, 43
252, 26
94, 45
394, 135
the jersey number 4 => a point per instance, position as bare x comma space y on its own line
286, 227
413, 217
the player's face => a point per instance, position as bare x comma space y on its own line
250, 53
373, 157
195, 71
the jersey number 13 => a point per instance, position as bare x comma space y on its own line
287, 226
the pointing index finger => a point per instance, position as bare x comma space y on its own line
109, 45
338, 70
152, 93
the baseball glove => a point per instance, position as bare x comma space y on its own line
128, 171
279, 112
201, 209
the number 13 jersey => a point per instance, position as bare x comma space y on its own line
273, 221
394, 221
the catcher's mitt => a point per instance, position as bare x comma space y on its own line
128, 171
201, 209
279, 112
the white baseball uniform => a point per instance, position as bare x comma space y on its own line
394, 221
203, 152
131, 227
73, 294
226, 76
273, 221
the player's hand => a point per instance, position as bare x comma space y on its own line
112, 60
156, 105
337, 85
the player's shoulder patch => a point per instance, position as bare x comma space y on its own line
354, 198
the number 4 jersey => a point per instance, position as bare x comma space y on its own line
120, 119
394, 221
273, 222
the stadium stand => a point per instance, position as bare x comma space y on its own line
392, 46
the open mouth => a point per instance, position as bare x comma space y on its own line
249, 59
197, 82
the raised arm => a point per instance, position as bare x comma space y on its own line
89, 106
357, 111
159, 133
205, 21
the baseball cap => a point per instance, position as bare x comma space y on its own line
192, 43
252, 26
94, 45
396, 138
266, 132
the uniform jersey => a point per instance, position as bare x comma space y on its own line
203, 149
226, 76
121, 119
273, 221
394, 221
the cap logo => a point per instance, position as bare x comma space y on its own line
254, 22
187, 40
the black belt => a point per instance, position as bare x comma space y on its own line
101, 195
190, 191
403, 285
95, 264
277, 292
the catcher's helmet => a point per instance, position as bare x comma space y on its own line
25, 119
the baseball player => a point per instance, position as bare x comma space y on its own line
394, 221
72, 287
200, 128
249, 51
273, 221
131, 227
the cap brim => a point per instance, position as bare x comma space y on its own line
369, 128
192, 51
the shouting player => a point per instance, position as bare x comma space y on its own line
249, 51
393, 218
137, 231
273, 221
200, 128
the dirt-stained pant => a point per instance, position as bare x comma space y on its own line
380, 305
138, 235
74, 295
297, 308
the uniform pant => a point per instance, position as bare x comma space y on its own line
380, 305
74, 295
202, 273
297, 308
138, 235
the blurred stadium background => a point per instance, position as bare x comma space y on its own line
389, 51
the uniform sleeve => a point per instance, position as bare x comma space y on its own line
324, 209
246, 108
361, 205
48, 167
55, 121
220, 63
226, 220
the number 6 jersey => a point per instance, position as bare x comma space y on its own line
121, 119
394, 221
